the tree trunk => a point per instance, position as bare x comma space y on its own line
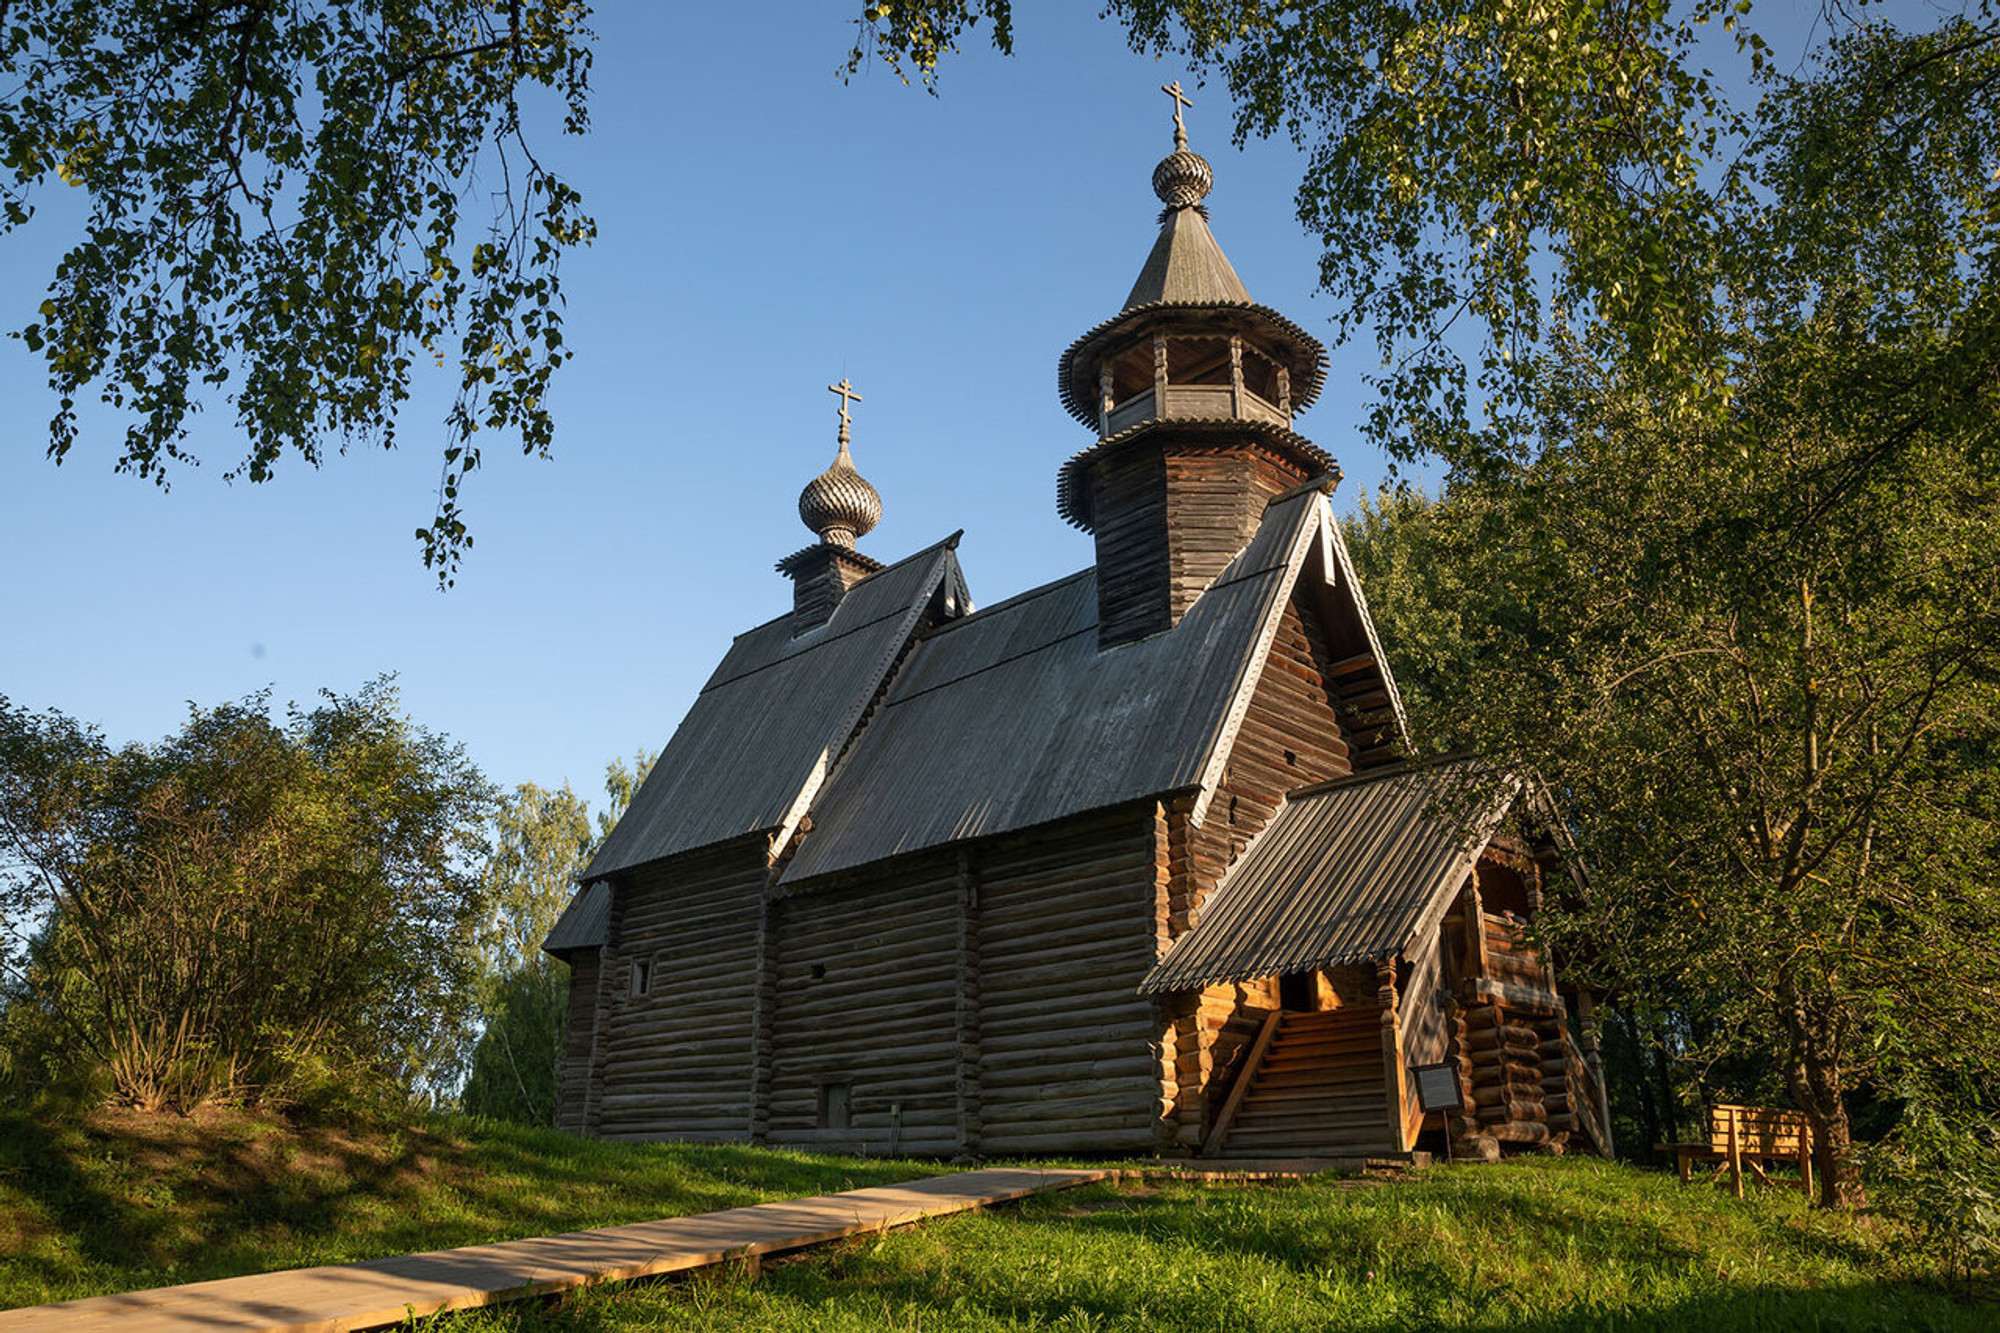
1818, 1084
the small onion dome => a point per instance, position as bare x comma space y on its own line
839, 504
1183, 178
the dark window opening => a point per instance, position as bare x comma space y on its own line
1502, 890
1297, 994
1198, 361
642, 976
1132, 373
1291, 759
819, 971
1260, 376
833, 1104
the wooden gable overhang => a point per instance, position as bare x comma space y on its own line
1351, 871
1014, 717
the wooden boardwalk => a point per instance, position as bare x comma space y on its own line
385, 1291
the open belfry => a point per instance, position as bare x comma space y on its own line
1132, 862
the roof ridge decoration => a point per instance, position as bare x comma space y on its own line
839, 505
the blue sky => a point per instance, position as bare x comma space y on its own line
764, 230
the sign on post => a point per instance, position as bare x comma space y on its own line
1437, 1087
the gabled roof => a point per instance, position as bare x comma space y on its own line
1186, 266
1347, 872
1013, 717
766, 729
584, 923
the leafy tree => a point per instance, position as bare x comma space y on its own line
1771, 721
543, 841
1497, 174
276, 199
246, 908
1715, 549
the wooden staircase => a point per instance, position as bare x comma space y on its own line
1316, 1087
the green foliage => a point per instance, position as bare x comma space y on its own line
116, 1201
913, 37
276, 197
1532, 1245
1941, 1178
1767, 709
543, 841
245, 909
514, 1066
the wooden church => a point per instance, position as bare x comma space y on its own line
1128, 863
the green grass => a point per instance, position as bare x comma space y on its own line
1531, 1245
117, 1201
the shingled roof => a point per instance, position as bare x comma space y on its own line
1187, 267
1347, 872
1013, 717
766, 729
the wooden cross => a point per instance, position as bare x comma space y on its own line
1181, 99
847, 395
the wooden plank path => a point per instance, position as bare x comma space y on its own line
385, 1291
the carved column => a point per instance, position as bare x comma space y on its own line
1392, 1051
1159, 375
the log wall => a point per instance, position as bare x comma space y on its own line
866, 998
1067, 929
579, 1035
1168, 515
676, 1062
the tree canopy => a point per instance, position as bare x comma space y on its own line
543, 840
288, 209
247, 909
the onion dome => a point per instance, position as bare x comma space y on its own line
839, 504
1183, 178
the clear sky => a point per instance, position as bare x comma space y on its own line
764, 230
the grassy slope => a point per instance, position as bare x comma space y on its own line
117, 1201
1533, 1245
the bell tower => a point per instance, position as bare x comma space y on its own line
1191, 390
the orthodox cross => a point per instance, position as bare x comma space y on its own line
1181, 99
847, 395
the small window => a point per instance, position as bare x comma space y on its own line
642, 976
819, 971
833, 1112
1291, 759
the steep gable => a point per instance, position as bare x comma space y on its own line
1014, 717
766, 729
